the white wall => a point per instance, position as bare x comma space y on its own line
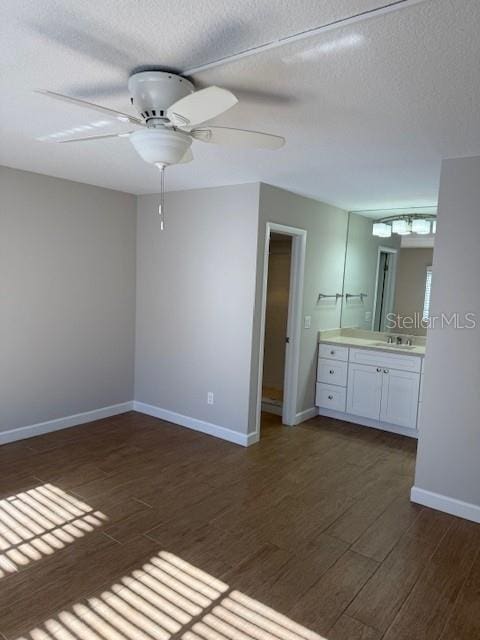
195, 303
325, 255
448, 462
67, 296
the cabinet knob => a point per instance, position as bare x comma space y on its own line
379, 370
330, 397
385, 371
332, 371
332, 353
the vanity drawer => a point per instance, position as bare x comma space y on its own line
333, 352
330, 397
332, 372
378, 358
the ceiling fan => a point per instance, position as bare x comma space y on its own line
171, 115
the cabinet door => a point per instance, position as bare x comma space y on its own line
364, 391
400, 398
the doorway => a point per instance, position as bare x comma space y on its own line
276, 319
281, 315
384, 287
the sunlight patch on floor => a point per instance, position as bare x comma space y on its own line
37, 522
165, 597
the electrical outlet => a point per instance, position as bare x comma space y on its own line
210, 397
308, 322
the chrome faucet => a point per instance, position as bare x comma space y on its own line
390, 340
408, 342
399, 339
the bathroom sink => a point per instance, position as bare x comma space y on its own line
406, 347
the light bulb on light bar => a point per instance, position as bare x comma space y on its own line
402, 227
421, 226
381, 230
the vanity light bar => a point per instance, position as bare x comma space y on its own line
404, 224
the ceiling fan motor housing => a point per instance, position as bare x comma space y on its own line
153, 92
161, 146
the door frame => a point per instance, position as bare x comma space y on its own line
294, 321
382, 249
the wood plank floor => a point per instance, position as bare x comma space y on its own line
131, 528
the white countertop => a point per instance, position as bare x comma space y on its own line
366, 343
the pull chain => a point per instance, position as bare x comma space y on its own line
161, 206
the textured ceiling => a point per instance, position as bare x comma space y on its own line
368, 110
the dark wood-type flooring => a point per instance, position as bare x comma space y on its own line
131, 528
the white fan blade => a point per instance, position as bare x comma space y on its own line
107, 135
238, 138
201, 106
188, 157
123, 117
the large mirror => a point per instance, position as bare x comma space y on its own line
387, 279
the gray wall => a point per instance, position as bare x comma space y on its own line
67, 291
325, 254
361, 270
195, 303
410, 284
449, 445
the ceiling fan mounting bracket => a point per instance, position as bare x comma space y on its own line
153, 92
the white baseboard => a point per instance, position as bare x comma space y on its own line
299, 417
20, 433
252, 438
267, 407
306, 415
366, 422
245, 439
440, 502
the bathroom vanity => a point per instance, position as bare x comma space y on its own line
362, 378
370, 369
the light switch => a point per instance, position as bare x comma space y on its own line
308, 322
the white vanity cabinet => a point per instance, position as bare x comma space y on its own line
381, 388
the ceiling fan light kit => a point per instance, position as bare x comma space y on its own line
161, 146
